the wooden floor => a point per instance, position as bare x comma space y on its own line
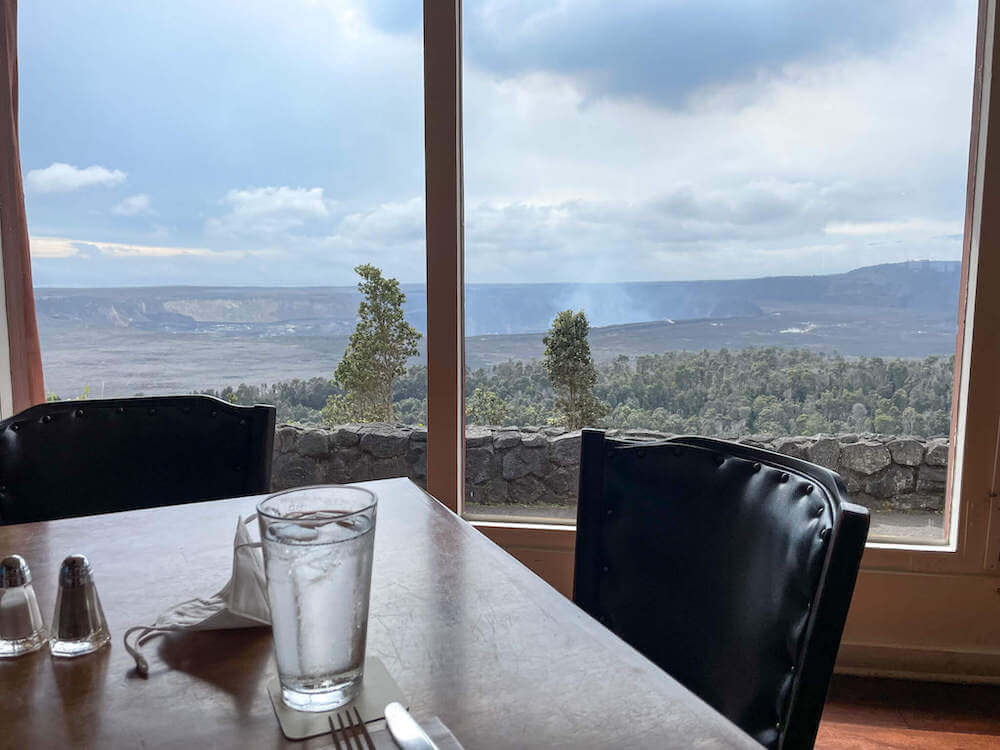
865, 713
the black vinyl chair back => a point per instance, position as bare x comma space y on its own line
76, 458
731, 567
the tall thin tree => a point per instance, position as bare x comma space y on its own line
571, 371
376, 354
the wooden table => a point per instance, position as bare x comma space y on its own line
467, 631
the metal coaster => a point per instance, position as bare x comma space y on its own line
377, 689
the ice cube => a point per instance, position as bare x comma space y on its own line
293, 532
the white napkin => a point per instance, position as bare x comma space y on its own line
242, 602
434, 727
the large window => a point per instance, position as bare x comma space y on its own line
202, 179
759, 215
759, 208
759, 211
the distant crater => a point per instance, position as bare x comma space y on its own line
734, 308
223, 310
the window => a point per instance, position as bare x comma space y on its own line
918, 610
922, 605
759, 212
202, 180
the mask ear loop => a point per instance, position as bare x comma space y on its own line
246, 522
145, 633
141, 665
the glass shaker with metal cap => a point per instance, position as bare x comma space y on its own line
21, 628
78, 625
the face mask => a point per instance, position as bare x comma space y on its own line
242, 603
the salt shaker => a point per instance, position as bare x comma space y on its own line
21, 628
78, 625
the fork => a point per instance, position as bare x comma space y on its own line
350, 730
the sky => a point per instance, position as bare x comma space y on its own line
248, 142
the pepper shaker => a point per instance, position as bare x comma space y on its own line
78, 624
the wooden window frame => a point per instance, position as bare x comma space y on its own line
445, 251
919, 610
972, 456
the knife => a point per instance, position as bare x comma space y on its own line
405, 730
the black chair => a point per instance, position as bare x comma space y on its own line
77, 458
731, 567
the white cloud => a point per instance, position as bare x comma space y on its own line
389, 234
820, 167
124, 250
386, 223
277, 200
816, 163
134, 205
64, 247
52, 247
268, 210
59, 177
692, 233
907, 226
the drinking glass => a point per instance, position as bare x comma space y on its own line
318, 544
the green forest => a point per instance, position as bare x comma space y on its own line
725, 393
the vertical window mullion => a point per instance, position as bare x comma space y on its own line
977, 430
445, 273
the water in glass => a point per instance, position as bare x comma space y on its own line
318, 544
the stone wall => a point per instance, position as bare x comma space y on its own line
540, 466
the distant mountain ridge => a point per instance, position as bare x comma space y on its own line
918, 287
183, 339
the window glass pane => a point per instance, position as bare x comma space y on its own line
758, 208
202, 180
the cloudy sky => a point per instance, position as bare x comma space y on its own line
231, 142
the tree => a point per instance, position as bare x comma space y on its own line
376, 354
885, 423
571, 371
485, 407
726, 393
859, 417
